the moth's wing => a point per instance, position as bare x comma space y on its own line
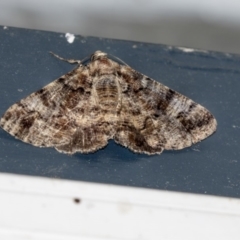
63, 115
154, 117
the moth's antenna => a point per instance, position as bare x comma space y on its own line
86, 59
118, 59
72, 61
80, 62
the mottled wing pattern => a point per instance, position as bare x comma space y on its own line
155, 117
63, 115
82, 110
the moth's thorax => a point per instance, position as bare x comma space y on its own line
103, 66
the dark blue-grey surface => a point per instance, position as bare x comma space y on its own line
211, 79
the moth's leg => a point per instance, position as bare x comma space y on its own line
66, 60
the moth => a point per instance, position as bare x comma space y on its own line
102, 100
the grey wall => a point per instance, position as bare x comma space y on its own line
205, 24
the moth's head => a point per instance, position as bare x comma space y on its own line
98, 55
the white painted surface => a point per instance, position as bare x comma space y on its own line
41, 208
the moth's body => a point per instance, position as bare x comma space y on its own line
82, 110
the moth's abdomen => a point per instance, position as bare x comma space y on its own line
107, 93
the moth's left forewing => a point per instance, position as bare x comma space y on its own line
44, 118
